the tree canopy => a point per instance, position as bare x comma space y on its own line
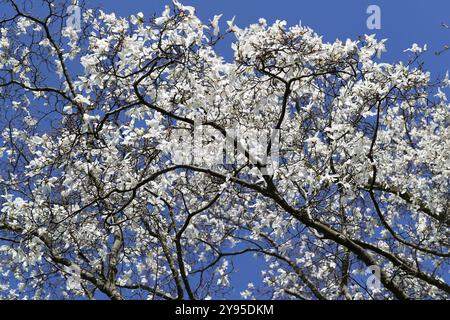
354, 173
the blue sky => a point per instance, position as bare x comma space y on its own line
402, 23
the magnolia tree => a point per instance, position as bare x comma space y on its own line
136, 162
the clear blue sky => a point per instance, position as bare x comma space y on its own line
402, 23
